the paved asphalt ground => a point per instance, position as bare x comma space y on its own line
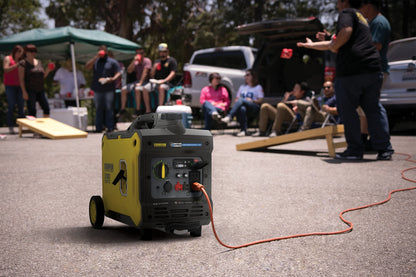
290, 189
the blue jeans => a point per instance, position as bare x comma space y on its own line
14, 97
207, 110
39, 97
244, 109
362, 90
104, 105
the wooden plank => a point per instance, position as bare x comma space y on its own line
328, 132
292, 137
50, 128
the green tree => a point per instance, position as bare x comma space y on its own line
18, 16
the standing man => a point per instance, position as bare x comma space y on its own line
358, 81
141, 65
105, 72
163, 71
380, 31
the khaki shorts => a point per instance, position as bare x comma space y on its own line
150, 87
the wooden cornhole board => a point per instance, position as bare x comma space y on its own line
50, 128
328, 132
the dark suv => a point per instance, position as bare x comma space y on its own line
280, 63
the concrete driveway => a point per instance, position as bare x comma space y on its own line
286, 190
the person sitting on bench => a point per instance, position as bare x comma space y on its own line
285, 110
319, 108
141, 65
214, 99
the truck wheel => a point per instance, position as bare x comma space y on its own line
96, 212
196, 232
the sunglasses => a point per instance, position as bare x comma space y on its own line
247, 75
328, 87
32, 51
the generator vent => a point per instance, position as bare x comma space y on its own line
166, 213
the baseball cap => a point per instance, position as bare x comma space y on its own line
163, 47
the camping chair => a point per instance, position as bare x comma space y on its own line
329, 118
295, 118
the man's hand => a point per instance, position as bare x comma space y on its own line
322, 35
306, 44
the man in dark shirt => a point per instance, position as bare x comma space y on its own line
105, 72
163, 72
358, 81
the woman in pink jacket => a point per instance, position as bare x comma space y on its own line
214, 99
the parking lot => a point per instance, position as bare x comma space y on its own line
285, 190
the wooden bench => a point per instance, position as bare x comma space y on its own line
49, 128
328, 132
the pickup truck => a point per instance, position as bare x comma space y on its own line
230, 62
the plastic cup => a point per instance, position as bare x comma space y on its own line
68, 94
51, 66
101, 53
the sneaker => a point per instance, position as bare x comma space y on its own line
226, 119
347, 156
216, 116
120, 113
384, 155
241, 134
137, 113
259, 134
273, 134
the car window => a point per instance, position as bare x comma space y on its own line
228, 59
405, 50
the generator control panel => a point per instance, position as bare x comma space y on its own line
172, 177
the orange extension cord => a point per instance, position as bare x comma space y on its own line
199, 187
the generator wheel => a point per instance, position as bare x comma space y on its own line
196, 232
96, 212
146, 234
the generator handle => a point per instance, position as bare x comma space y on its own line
145, 121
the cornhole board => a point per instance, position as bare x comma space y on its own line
49, 128
328, 132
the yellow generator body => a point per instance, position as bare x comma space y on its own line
147, 172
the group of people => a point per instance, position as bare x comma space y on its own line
24, 80
106, 71
361, 41
248, 106
24, 77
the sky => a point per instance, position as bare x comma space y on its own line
50, 22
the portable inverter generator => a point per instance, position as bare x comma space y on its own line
147, 172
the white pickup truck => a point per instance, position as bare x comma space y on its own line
230, 62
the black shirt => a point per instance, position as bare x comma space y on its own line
358, 55
164, 68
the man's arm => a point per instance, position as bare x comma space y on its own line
318, 45
144, 76
342, 37
170, 77
90, 64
